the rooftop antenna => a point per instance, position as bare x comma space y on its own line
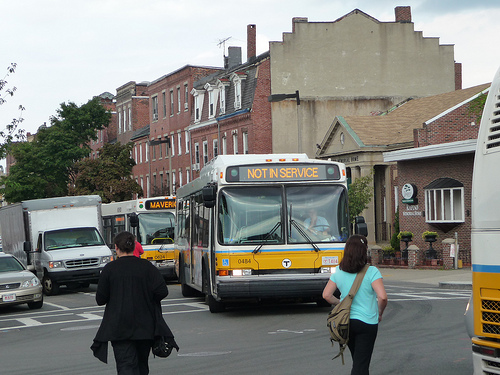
222, 42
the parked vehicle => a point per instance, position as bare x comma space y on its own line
60, 237
17, 284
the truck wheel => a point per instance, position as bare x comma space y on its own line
50, 287
35, 305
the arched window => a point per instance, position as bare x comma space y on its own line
444, 201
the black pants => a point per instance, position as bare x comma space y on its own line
131, 356
361, 342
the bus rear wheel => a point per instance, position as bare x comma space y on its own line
186, 290
214, 305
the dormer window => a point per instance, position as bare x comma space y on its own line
221, 85
236, 79
213, 92
198, 103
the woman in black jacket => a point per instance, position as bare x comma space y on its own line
131, 288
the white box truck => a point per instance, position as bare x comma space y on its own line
60, 237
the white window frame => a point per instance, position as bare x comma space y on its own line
119, 122
245, 142
196, 156
186, 138
178, 99
198, 103
445, 205
215, 147
205, 152
154, 104
187, 176
235, 143
224, 145
179, 143
172, 108
124, 120
222, 91
130, 118
172, 143
186, 97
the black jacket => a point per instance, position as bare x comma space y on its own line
131, 288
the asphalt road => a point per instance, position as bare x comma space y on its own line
422, 333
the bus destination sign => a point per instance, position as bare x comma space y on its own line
160, 204
282, 172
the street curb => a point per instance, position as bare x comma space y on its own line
456, 285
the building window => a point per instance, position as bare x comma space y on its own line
235, 143
164, 95
186, 97
245, 143
136, 160
119, 122
216, 148
173, 182
444, 201
196, 156
179, 143
222, 108
155, 107
224, 146
171, 102
211, 104
179, 103
130, 118
147, 152
186, 137
205, 152
198, 103
187, 176
124, 119
140, 153
172, 143
180, 177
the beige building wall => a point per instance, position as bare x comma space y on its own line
353, 66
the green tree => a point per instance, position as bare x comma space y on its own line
10, 132
108, 176
360, 194
43, 167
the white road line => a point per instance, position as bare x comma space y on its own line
28, 322
90, 316
56, 306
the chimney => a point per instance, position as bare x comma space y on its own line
251, 42
233, 57
298, 20
458, 76
403, 14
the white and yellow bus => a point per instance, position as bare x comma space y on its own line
261, 227
485, 239
152, 221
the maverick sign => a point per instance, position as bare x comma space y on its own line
282, 172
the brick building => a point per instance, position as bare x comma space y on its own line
109, 133
232, 114
171, 110
439, 169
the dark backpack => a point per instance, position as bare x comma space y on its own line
338, 319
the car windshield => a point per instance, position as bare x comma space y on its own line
10, 264
73, 237
156, 228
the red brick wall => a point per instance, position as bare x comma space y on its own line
423, 172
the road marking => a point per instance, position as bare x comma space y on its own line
90, 316
57, 306
29, 322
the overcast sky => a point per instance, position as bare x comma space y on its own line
72, 50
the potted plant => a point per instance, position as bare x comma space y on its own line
429, 236
405, 236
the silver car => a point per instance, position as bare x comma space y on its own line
17, 284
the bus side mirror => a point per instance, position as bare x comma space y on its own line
360, 226
209, 192
134, 220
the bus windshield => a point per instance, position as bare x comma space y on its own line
249, 215
255, 215
317, 213
156, 228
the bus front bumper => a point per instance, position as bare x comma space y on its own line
308, 287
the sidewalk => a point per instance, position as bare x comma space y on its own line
449, 279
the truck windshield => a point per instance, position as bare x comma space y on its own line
156, 228
255, 215
73, 237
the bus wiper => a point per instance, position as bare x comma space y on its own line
304, 234
266, 238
